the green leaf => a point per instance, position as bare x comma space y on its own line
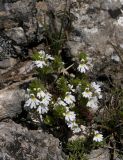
49, 120
57, 64
83, 55
36, 84
36, 56
62, 86
59, 110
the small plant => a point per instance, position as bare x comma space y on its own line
77, 150
111, 122
66, 96
63, 97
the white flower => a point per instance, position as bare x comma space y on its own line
42, 109
74, 127
70, 116
41, 94
43, 59
83, 68
87, 93
32, 102
71, 87
46, 99
42, 53
76, 130
60, 102
40, 64
67, 109
72, 124
93, 103
49, 57
98, 137
45, 56
69, 99
96, 87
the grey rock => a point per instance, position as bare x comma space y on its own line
102, 154
7, 63
19, 143
99, 154
115, 57
26, 68
92, 19
25, 13
10, 102
6, 47
18, 19
17, 34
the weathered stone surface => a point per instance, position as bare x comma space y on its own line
102, 154
17, 34
18, 143
6, 47
99, 154
10, 102
94, 24
7, 63
23, 13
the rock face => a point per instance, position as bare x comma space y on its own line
96, 27
94, 23
11, 95
102, 154
99, 154
10, 103
18, 143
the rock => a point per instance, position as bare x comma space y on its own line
26, 68
7, 63
18, 20
19, 143
93, 23
6, 47
25, 13
99, 154
102, 154
10, 102
17, 34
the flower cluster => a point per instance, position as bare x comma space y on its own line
70, 118
93, 101
43, 59
92, 92
68, 102
39, 101
64, 101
